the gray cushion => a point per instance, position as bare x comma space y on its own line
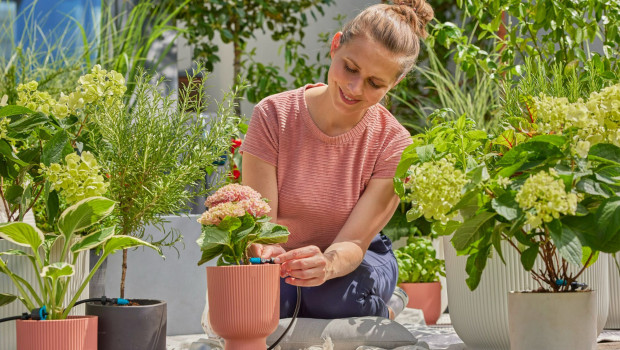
344, 333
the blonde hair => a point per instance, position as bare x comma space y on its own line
397, 27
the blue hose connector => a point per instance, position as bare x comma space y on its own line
261, 261
121, 301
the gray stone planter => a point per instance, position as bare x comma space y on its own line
178, 279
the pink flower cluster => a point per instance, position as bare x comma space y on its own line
233, 200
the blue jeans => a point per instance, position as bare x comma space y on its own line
363, 292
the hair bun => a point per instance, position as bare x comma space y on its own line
416, 12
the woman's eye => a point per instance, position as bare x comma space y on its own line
372, 83
349, 69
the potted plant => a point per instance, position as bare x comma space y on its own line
244, 299
40, 172
157, 154
546, 184
59, 331
418, 275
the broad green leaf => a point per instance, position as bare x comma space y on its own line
120, 242
556, 140
57, 270
52, 151
567, 242
531, 153
272, 233
93, 240
210, 252
13, 194
212, 235
9, 111
84, 214
478, 174
607, 218
6, 299
230, 223
29, 122
470, 230
7, 151
506, 206
425, 153
586, 252
439, 229
590, 186
528, 257
53, 204
605, 152
22, 234
247, 225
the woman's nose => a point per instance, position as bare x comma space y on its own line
355, 86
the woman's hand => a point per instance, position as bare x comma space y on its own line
265, 251
305, 267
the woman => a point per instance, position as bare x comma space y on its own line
325, 156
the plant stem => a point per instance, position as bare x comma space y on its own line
124, 273
84, 284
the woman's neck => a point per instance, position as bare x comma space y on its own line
325, 117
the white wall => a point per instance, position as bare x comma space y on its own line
267, 50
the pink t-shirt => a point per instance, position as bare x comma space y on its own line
320, 178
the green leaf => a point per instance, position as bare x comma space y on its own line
7, 151
607, 218
93, 240
6, 299
271, 233
556, 140
29, 122
567, 242
506, 206
22, 234
84, 214
528, 257
120, 242
586, 252
470, 230
605, 152
425, 153
230, 223
53, 205
56, 270
531, 154
211, 253
9, 111
590, 186
211, 235
52, 151
14, 194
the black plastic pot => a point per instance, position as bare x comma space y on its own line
140, 327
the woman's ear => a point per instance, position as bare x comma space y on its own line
335, 43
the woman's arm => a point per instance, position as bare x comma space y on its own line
307, 266
261, 176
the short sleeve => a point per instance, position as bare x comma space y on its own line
262, 138
388, 159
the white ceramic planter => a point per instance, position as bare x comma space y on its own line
480, 317
613, 320
552, 321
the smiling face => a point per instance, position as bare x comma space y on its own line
361, 73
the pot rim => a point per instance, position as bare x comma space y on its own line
69, 318
157, 303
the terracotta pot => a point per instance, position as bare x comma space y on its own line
425, 297
75, 333
244, 304
552, 321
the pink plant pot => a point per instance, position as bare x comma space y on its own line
425, 297
244, 304
75, 333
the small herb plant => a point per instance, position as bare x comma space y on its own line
53, 273
235, 219
417, 262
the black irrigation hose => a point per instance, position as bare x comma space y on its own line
12, 318
292, 320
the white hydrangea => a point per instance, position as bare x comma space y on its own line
543, 197
436, 187
78, 178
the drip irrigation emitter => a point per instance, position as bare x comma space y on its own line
40, 314
270, 261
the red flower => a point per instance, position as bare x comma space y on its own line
235, 174
236, 143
